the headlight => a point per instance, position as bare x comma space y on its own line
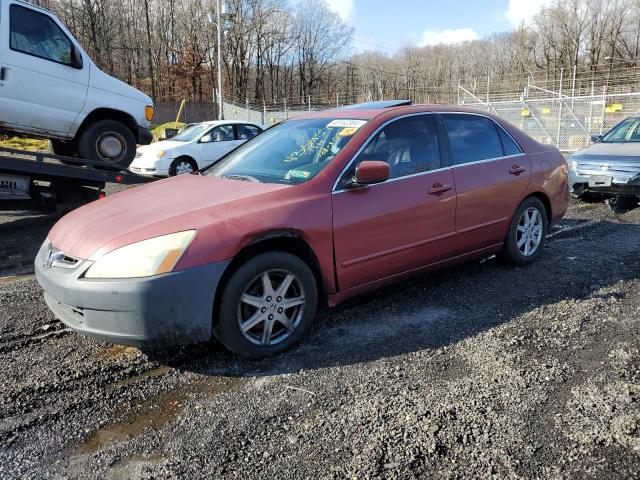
573, 165
143, 259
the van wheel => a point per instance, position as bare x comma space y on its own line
108, 141
182, 166
527, 233
267, 306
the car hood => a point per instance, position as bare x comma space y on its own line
609, 152
176, 204
107, 83
167, 145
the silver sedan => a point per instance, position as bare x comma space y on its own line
611, 166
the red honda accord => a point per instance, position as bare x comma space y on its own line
311, 212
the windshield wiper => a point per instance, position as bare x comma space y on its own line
242, 178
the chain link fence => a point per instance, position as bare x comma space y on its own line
568, 122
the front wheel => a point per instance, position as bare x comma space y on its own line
267, 306
108, 141
182, 166
527, 233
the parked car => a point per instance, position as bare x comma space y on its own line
50, 88
611, 166
195, 147
309, 213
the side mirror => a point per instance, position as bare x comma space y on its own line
369, 172
76, 57
206, 139
596, 138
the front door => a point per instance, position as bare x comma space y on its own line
403, 223
40, 90
216, 143
491, 175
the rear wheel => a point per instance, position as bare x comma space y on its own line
108, 141
267, 306
527, 233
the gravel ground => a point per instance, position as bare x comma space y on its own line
479, 371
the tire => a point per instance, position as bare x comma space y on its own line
178, 166
522, 254
266, 307
108, 141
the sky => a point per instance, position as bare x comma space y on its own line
391, 25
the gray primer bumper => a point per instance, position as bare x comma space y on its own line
171, 309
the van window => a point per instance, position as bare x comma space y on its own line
473, 138
36, 34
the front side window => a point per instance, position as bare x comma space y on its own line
292, 152
472, 137
409, 146
627, 131
36, 34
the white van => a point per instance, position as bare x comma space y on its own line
50, 88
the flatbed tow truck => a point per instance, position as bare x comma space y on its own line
42, 181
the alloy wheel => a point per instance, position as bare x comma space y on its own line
271, 307
529, 231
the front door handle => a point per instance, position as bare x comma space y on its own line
3, 73
437, 188
517, 170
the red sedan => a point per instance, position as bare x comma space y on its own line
311, 212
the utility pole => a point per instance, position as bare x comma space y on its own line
220, 94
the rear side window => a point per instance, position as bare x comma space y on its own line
473, 138
245, 132
508, 145
37, 34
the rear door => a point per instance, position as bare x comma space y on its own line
40, 90
491, 175
404, 223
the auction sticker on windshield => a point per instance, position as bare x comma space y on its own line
346, 123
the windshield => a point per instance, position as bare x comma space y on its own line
290, 153
191, 133
627, 131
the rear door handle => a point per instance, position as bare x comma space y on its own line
517, 170
437, 188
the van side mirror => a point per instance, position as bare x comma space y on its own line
76, 57
369, 172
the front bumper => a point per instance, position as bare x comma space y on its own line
579, 184
166, 310
145, 137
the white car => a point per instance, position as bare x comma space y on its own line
196, 147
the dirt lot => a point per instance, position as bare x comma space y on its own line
479, 371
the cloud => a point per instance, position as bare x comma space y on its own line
447, 36
346, 9
519, 11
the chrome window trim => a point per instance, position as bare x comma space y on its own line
366, 143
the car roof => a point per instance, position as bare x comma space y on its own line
231, 122
368, 111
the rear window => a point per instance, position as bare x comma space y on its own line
473, 138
